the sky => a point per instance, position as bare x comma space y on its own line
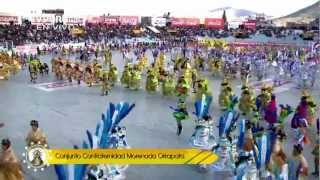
182, 8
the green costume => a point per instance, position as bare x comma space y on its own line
168, 86
113, 74
152, 81
105, 84
125, 78
203, 89
135, 80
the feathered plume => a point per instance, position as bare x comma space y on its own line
202, 106
263, 151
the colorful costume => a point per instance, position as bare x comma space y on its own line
152, 80
182, 87
105, 84
168, 85
126, 75
180, 113
225, 95
135, 81
113, 74
246, 102
270, 114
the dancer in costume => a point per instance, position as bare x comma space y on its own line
10, 168
299, 169
135, 80
180, 113
97, 72
89, 78
316, 155
126, 75
77, 73
33, 69
168, 85
108, 135
247, 101
270, 113
278, 161
203, 136
202, 88
35, 135
113, 74
226, 95
105, 84
182, 87
311, 108
263, 98
152, 80
69, 72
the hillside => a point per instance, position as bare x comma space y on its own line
304, 15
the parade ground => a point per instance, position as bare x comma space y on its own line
66, 111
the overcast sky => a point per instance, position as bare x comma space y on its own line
194, 8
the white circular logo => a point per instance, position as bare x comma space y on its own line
35, 156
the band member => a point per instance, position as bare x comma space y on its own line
35, 135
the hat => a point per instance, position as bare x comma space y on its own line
5, 142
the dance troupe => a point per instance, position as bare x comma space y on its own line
251, 130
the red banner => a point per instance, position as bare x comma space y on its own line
129, 20
214, 23
111, 20
185, 22
94, 20
250, 25
8, 19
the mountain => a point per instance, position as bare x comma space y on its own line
232, 14
304, 15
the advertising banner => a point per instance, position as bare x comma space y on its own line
8, 19
129, 20
27, 49
73, 21
185, 22
94, 20
250, 24
42, 20
214, 23
111, 20
159, 22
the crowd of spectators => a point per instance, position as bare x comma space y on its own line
28, 33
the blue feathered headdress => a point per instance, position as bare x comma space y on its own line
101, 139
202, 106
263, 151
227, 122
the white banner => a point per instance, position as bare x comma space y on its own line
158, 21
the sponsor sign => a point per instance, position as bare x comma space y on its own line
42, 20
111, 20
128, 20
94, 20
160, 22
73, 21
250, 24
8, 19
214, 23
185, 22
26, 49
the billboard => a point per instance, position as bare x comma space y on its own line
185, 22
158, 21
214, 23
73, 21
42, 20
8, 19
94, 20
111, 20
129, 20
250, 24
